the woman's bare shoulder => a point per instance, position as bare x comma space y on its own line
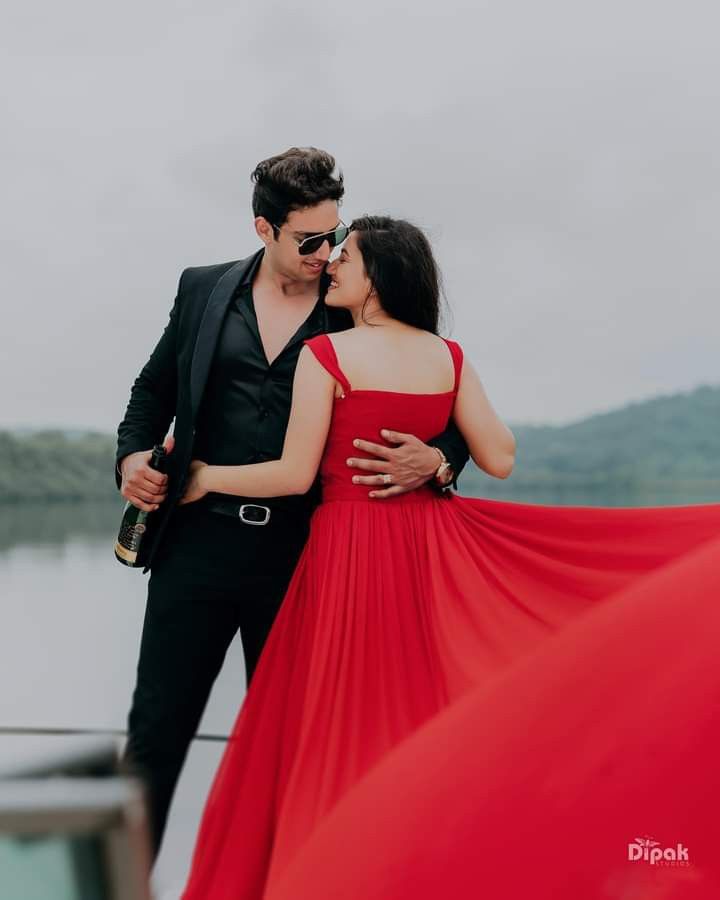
417, 338
343, 336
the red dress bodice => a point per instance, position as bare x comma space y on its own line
363, 413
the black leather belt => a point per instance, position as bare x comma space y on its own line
253, 512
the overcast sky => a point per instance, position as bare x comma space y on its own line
563, 155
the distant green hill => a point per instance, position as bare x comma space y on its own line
668, 442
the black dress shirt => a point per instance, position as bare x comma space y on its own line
245, 409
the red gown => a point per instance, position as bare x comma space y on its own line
407, 618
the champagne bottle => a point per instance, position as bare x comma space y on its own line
134, 521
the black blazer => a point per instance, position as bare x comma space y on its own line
172, 381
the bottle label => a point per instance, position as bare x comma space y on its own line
129, 556
128, 542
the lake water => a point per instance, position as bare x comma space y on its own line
72, 618
71, 625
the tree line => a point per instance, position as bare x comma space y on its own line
668, 441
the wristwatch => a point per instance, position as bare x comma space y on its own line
444, 474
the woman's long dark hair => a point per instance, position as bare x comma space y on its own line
400, 265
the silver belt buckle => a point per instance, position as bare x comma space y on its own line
254, 521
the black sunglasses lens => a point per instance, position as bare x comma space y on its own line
310, 245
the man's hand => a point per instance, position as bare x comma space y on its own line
141, 485
410, 465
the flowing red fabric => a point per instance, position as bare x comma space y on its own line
423, 688
534, 785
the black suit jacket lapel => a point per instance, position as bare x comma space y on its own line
210, 326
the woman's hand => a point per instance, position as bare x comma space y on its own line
195, 488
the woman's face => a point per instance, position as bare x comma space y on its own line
350, 286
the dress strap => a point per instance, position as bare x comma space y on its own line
457, 357
324, 351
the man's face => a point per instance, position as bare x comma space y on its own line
282, 249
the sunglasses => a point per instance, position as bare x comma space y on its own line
314, 242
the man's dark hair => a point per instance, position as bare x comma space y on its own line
400, 265
296, 179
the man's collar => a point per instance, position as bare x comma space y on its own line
252, 269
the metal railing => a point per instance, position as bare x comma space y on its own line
18, 730
71, 826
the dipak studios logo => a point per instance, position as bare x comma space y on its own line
645, 849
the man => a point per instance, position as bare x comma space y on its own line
223, 369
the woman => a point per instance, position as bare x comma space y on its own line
397, 607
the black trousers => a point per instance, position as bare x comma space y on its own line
212, 575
